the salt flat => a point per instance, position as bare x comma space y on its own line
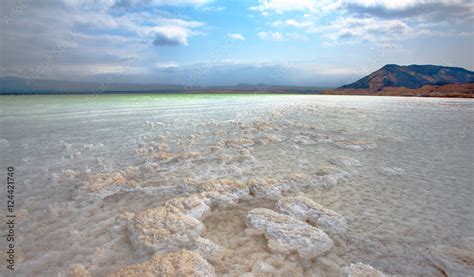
109, 181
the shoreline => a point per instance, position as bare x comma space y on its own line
324, 93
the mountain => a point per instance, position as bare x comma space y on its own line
412, 77
18, 85
13, 84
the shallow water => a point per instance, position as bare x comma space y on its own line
400, 170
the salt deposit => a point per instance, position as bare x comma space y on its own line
286, 234
305, 209
241, 186
181, 263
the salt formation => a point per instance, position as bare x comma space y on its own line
305, 209
4, 143
239, 142
454, 260
102, 185
163, 156
286, 234
180, 263
267, 139
190, 155
295, 231
176, 224
78, 270
354, 145
221, 191
328, 177
67, 174
164, 229
362, 270
269, 188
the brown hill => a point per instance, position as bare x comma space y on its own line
449, 90
412, 77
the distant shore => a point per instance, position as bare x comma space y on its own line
445, 91
159, 92
332, 92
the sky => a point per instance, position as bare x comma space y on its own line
216, 42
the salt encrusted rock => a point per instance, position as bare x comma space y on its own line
195, 205
345, 162
222, 191
286, 234
208, 249
176, 225
78, 270
306, 209
239, 142
163, 156
328, 177
181, 263
267, 139
362, 270
246, 156
269, 188
192, 155
105, 184
454, 260
262, 267
164, 229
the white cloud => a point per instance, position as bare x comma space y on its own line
181, 2
370, 29
142, 3
236, 36
179, 22
277, 36
389, 4
167, 65
318, 6
281, 6
295, 36
102, 38
213, 8
354, 21
300, 24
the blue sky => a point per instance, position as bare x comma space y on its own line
215, 42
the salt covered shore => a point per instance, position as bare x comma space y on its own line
264, 186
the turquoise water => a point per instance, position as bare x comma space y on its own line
408, 196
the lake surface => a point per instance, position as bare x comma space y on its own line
400, 170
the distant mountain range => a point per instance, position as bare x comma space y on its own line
17, 85
412, 77
412, 80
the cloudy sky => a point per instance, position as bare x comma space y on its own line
216, 42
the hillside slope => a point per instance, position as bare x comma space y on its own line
412, 77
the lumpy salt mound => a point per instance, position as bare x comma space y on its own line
286, 234
180, 263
